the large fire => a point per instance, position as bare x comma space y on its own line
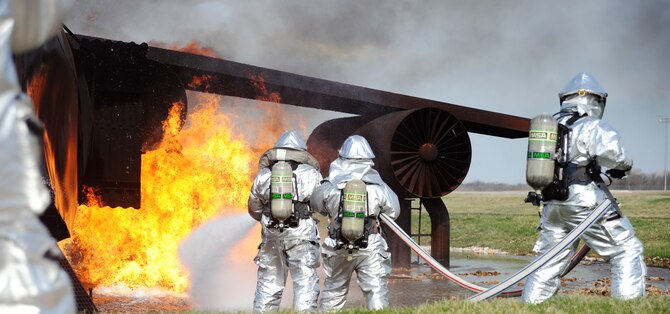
198, 172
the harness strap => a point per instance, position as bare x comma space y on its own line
301, 210
572, 119
583, 174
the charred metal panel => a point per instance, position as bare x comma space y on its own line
130, 97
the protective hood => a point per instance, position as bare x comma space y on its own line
583, 95
356, 147
343, 170
289, 147
355, 162
291, 139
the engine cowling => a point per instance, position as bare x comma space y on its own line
427, 151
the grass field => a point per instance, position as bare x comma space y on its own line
501, 220
577, 304
560, 304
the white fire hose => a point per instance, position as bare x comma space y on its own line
487, 293
435, 264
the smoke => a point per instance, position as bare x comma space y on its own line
219, 260
505, 56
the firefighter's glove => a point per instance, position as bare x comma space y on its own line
616, 173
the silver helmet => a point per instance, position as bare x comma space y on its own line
291, 139
356, 147
583, 94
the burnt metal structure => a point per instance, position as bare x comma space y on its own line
117, 93
422, 146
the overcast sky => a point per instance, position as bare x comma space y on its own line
511, 57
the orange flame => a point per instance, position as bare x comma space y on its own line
196, 173
193, 47
64, 176
201, 81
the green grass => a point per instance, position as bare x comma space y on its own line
665, 200
560, 304
577, 304
501, 220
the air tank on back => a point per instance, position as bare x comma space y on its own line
354, 210
281, 191
542, 139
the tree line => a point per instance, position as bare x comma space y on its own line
636, 180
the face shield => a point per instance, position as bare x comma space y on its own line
589, 104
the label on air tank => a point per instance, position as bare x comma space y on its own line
541, 135
539, 155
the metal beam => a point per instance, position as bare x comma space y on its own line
233, 79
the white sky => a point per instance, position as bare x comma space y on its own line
511, 57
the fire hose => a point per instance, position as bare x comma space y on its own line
433, 263
487, 293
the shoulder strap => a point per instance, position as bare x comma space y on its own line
575, 117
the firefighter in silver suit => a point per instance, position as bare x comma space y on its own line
31, 279
291, 245
591, 142
371, 261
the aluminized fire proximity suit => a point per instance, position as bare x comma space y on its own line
294, 249
372, 263
612, 237
31, 281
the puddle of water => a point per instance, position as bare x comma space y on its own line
421, 284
